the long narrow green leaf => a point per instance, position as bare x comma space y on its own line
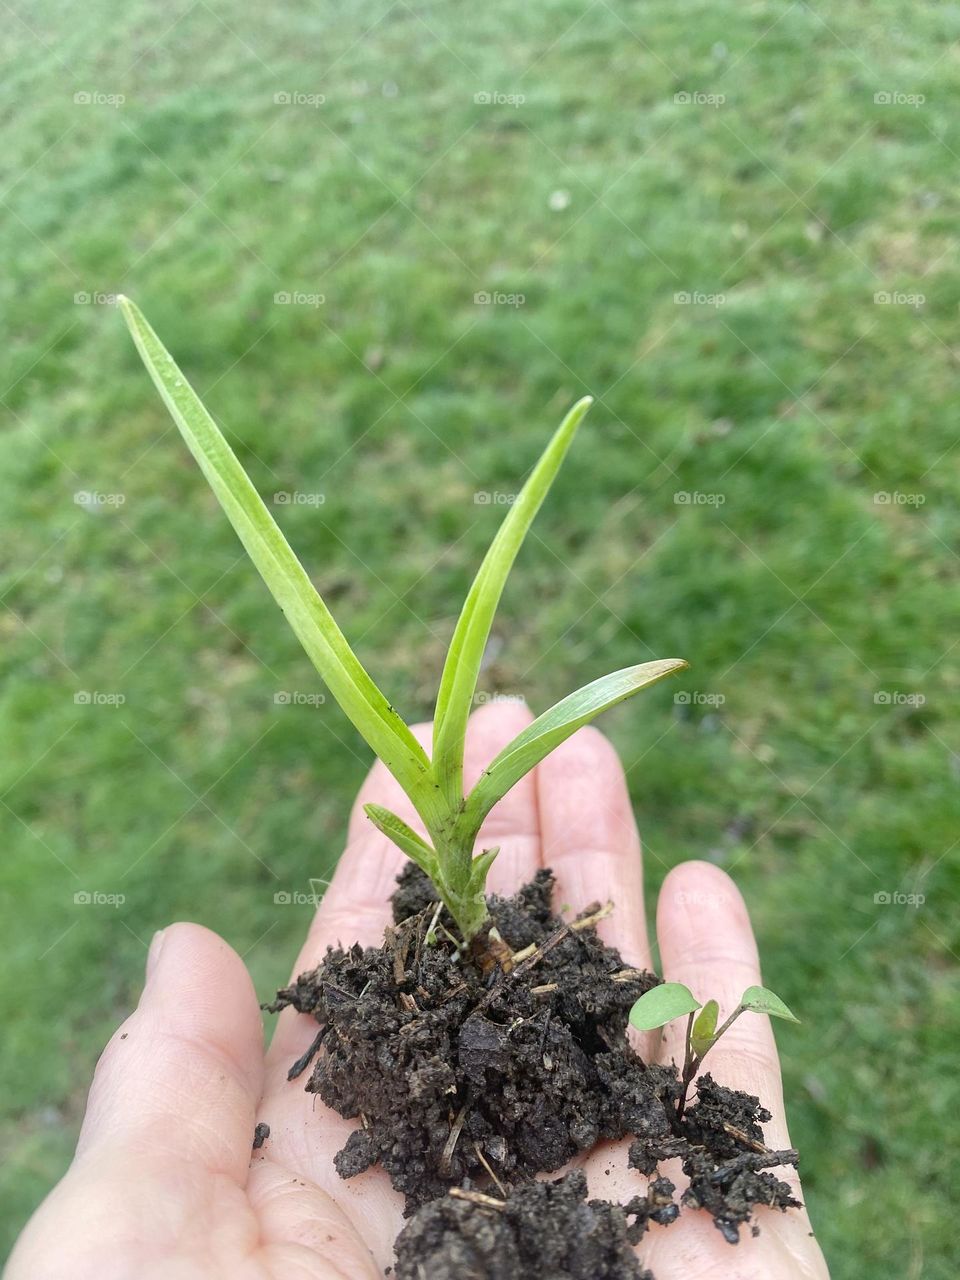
403, 836
462, 666
306, 612
556, 725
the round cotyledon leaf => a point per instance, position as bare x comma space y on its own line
661, 1005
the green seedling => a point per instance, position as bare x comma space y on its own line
433, 783
672, 1000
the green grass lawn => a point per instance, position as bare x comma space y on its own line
817, 757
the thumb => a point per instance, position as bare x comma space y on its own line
184, 1073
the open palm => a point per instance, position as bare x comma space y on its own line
164, 1183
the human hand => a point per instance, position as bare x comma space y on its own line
163, 1184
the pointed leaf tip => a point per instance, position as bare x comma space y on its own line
763, 1000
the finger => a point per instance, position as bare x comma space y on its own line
706, 942
590, 839
182, 1077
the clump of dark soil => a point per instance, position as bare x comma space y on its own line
542, 1229
461, 1076
478, 1072
723, 1154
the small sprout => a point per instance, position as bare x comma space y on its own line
670, 1000
704, 1029
450, 815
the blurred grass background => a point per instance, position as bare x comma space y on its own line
783, 197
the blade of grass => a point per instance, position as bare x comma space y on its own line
286, 578
462, 666
556, 725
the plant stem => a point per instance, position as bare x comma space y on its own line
727, 1025
691, 1063
466, 904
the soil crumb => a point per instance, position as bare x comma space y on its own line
541, 1229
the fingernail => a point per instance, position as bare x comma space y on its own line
153, 955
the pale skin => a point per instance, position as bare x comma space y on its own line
164, 1185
